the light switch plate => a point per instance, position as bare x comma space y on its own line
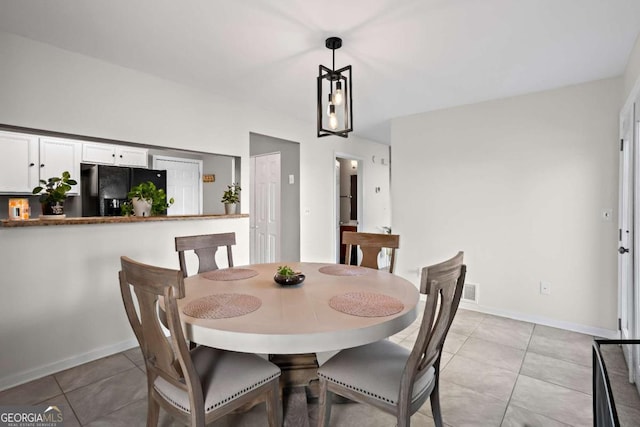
292, 179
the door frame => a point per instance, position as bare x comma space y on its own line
634, 372
629, 298
336, 197
626, 235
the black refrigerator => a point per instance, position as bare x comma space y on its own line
158, 177
104, 188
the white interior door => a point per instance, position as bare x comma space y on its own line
626, 237
183, 184
265, 208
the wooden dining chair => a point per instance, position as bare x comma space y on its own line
371, 244
389, 376
197, 386
205, 246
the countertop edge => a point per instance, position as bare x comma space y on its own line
5, 223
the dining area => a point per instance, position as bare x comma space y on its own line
217, 341
340, 363
329, 358
522, 176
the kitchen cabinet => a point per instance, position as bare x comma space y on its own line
117, 155
58, 155
132, 156
19, 164
25, 159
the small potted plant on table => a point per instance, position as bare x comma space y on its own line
148, 200
230, 198
285, 276
55, 192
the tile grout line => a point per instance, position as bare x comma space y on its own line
119, 409
66, 399
548, 382
100, 379
95, 382
526, 350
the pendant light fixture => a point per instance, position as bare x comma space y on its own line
335, 108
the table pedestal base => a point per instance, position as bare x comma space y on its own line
298, 370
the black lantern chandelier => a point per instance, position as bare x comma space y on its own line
335, 108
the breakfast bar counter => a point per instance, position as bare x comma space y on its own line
36, 222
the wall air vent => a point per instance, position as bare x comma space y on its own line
470, 292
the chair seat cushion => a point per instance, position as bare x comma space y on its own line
375, 370
224, 375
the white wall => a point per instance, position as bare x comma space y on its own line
632, 70
57, 90
222, 168
48, 88
61, 303
519, 184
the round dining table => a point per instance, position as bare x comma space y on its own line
297, 319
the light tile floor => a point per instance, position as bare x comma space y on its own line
495, 372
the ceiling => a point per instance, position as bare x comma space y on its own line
408, 56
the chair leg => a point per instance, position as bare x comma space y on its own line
273, 405
435, 406
153, 412
324, 404
404, 418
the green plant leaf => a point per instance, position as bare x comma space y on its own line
55, 188
285, 270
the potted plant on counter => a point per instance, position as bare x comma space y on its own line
230, 198
148, 200
53, 193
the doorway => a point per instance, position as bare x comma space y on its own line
265, 208
629, 240
288, 243
348, 201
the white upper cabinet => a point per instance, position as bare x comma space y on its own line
19, 165
99, 153
131, 156
60, 155
117, 155
25, 159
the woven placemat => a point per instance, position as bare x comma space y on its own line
222, 306
344, 270
366, 304
226, 274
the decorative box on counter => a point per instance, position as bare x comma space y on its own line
18, 209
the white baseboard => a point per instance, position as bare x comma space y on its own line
575, 327
51, 368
